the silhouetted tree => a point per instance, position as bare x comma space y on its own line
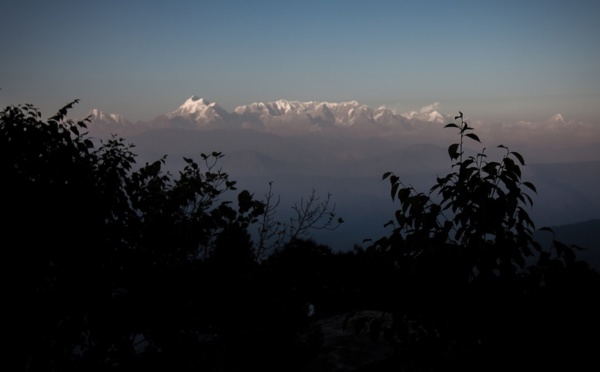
102, 257
310, 213
472, 275
111, 265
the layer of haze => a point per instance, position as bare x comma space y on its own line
498, 60
300, 147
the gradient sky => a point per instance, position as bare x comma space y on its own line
496, 60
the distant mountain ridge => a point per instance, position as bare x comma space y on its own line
350, 118
281, 116
321, 113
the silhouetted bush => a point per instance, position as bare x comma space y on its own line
471, 274
118, 266
103, 257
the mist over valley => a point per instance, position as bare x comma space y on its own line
343, 149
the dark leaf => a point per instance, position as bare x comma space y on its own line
530, 186
528, 198
519, 157
473, 136
400, 218
403, 194
560, 247
453, 151
394, 190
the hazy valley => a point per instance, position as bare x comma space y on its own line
344, 148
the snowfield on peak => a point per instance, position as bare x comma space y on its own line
319, 114
99, 116
201, 111
194, 106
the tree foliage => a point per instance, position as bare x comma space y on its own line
115, 260
479, 210
468, 267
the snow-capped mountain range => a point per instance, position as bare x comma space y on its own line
285, 117
277, 116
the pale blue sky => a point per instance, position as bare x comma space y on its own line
496, 60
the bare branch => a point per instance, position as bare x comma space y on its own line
312, 214
269, 227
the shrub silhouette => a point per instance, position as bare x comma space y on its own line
120, 266
471, 274
104, 257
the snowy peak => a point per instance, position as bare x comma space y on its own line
435, 117
193, 106
557, 119
102, 123
322, 113
427, 113
387, 118
194, 103
276, 108
197, 99
200, 110
99, 116
283, 107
